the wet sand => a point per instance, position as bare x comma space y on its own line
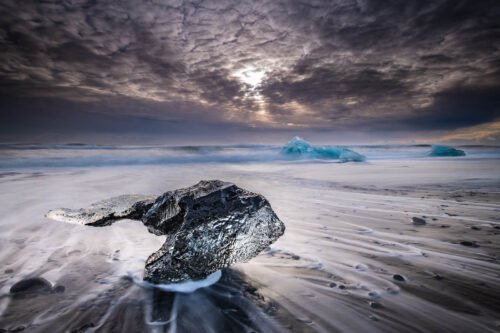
352, 258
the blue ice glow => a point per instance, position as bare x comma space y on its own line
298, 147
442, 151
17, 156
187, 286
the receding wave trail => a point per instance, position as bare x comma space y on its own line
351, 259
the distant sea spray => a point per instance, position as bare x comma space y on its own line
297, 150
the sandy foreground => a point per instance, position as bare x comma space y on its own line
351, 259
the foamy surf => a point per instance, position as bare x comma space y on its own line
188, 286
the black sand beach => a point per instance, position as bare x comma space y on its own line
385, 246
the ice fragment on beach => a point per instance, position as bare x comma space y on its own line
105, 212
348, 155
443, 151
298, 147
189, 286
209, 226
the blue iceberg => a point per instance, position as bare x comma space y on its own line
437, 150
298, 147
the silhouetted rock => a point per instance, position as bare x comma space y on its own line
35, 285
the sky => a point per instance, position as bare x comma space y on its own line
257, 71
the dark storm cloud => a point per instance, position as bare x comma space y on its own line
460, 107
319, 64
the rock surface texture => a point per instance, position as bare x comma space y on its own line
209, 226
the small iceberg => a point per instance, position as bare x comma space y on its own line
442, 151
298, 147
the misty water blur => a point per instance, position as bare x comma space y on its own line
350, 261
82, 155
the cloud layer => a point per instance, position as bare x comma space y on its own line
321, 65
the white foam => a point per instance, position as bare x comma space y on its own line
187, 286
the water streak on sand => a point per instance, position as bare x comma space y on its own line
351, 260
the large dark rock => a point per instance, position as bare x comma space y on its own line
209, 226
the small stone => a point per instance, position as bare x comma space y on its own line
376, 305
31, 285
59, 289
332, 285
399, 277
127, 278
9, 271
475, 228
373, 317
418, 221
469, 244
374, 294
341, 286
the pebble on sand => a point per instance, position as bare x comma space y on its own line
469, 243
376, 305
59, 289
399, 277
418, 221
31, 285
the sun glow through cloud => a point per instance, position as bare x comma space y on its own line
251, 76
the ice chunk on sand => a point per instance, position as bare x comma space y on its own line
438, 150
299, 147
348, 155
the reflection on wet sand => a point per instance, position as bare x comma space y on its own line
356, 256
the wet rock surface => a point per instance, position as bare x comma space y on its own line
209, 226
